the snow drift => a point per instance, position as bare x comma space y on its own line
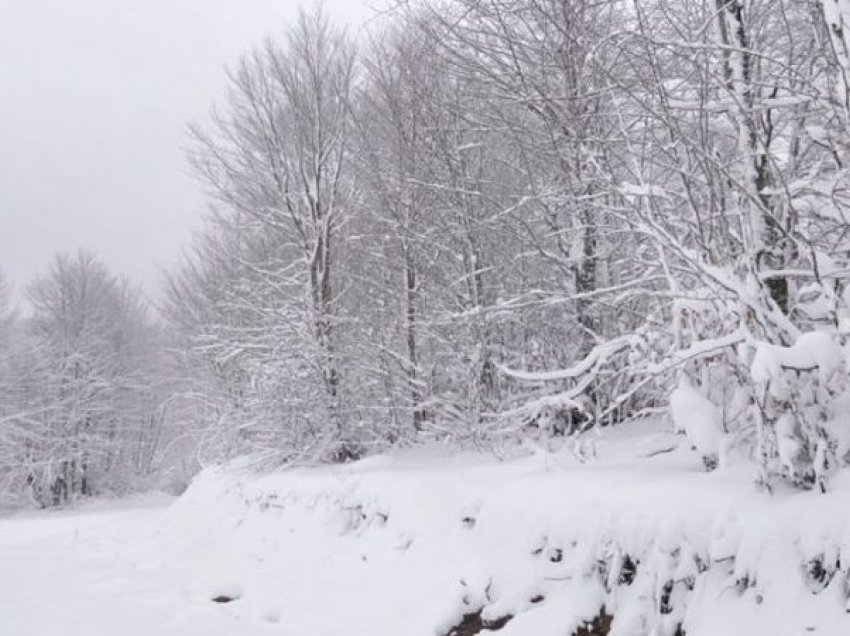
641, 541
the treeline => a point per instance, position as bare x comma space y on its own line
486, 219
83, 386
492, 217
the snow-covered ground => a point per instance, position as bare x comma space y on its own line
78, 573
82, 573
408, 545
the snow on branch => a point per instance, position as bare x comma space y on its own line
697, 350
597, 356
813, 351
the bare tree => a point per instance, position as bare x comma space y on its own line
276, 163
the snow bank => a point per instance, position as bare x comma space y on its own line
409, 545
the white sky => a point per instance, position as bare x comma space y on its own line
95, 96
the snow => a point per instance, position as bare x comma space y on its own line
788, 441
406, 544
597, 356
813, 351
698, 417
642, 190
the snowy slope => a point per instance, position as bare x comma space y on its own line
407, 545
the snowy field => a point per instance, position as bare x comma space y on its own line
410, 544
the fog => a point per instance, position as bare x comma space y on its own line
96, 98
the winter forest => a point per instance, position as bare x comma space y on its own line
482, 221
478, 222
517, 316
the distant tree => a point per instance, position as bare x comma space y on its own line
89, 393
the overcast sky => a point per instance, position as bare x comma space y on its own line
96, 95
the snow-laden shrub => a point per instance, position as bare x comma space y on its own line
781, 403
798, 386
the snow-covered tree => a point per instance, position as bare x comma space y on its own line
530, 216
79, 386
268, 276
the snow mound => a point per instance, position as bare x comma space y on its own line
698, 417
427, 544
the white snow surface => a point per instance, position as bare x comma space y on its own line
697, 416
404, 545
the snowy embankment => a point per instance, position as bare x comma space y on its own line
539, 545
424, 544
